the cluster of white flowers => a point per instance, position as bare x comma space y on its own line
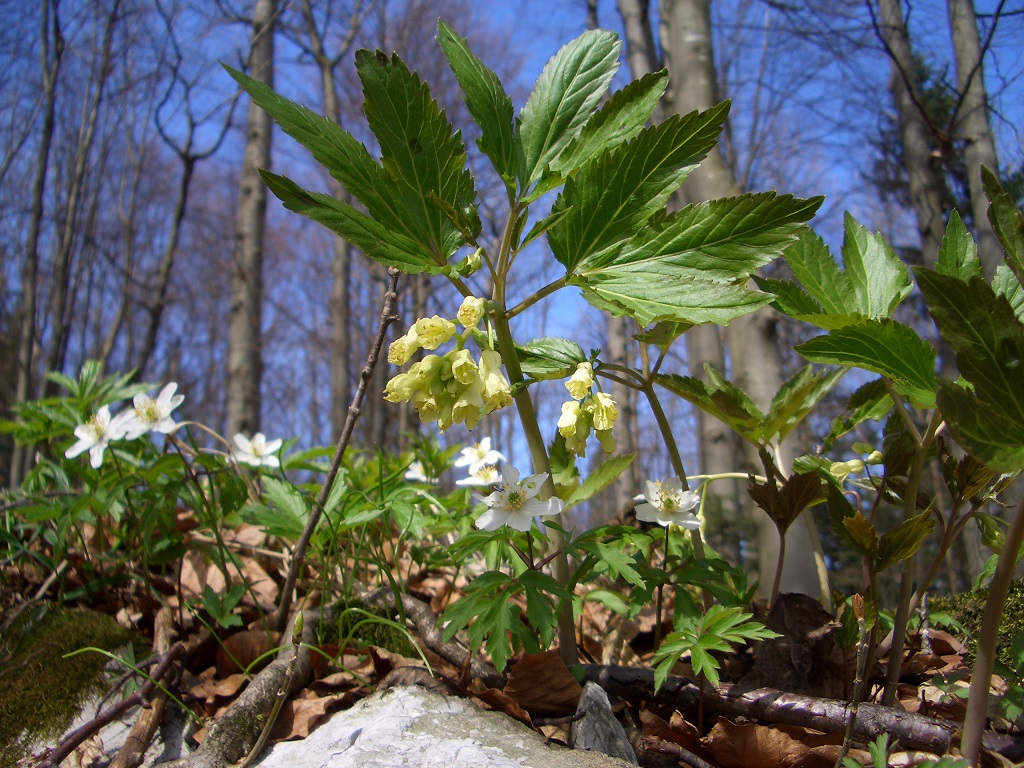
147, 415
587, 410
154, 415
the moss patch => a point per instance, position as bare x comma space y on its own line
365, 625
969, 607
40, 691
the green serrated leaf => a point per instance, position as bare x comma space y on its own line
379, 241
879, 278
862, 533
958, 253
568, 90
869, 402
1005, 283
719, 398
884, 347
420, 151
988, 340
600, 478
1007, 221
904, 540
617, 192
797, 398
486, 100
618, 120
652, 292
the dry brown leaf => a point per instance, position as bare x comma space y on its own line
748, 745
241, 649
677, 730
541, 684
494, 699
214, 690
300, 715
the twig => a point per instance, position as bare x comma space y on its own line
9, 621
54, 757
387, 316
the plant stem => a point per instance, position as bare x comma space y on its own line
387, 316
899, 629
981, 677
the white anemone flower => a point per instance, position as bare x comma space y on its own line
668, 504
486, 477
151, 415
515, 503
94, 436
257, 452
476, 457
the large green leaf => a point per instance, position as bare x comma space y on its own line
373, 237
654, 292
568, 90
345, 158
988, 340
618, 120
720, 398
958, 253
486, 101
617, 192
904, 540
885, 347
874, 282
724, 239
421, 152
1008, 222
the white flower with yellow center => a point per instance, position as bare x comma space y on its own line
515, 503
668, 504
471, 311
477, 456
149, 414
256, 452
581, 382
94, 436
484, 477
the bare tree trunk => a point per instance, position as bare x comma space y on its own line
923, 175
50, 60
973, 124
753, 345
70, 225
341, 264
245, 356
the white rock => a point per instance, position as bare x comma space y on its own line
406, 727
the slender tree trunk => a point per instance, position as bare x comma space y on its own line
50, 60
974, 125
60, 310
754, 351
923, 174
245, 356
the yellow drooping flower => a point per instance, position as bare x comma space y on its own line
401, 350
432, 332
497, 392
581, 381
603, 410
471, 311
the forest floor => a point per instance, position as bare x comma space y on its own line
782, 702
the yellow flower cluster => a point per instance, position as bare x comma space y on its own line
587, 410
453, 388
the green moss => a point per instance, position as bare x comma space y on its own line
366, 625
969, 607
40, 691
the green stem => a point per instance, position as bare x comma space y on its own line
533, 298
981, 677
534, 439
899, 630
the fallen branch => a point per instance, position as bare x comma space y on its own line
425, 620
910, 730
234, 734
